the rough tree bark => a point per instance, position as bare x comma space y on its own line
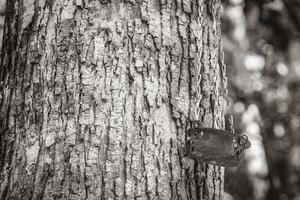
96, 97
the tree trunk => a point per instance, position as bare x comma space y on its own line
96, 98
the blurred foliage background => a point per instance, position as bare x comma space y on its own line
261, 43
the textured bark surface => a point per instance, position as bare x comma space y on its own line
96, 97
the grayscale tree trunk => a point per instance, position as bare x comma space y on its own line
96, 97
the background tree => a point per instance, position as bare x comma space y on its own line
96, 98
2, 13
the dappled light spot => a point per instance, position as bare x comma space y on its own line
254, 62
279, 130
